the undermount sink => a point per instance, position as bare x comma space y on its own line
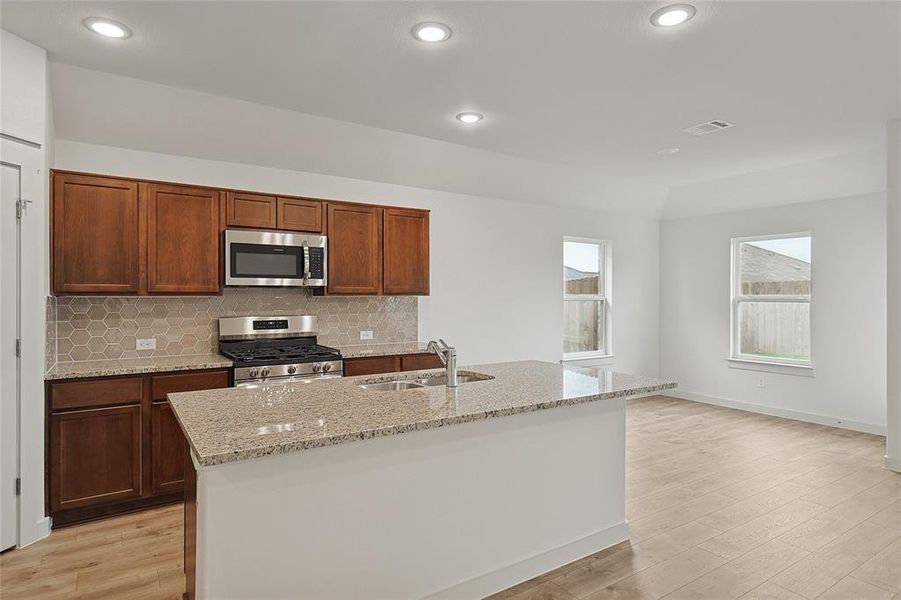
438, 379
391, 386
442, 379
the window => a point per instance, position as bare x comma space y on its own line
586, 298
771, 279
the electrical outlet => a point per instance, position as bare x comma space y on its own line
365, 335
145, 344
761, 383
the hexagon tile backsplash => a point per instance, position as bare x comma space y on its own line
96, 328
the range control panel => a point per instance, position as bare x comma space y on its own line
268, 324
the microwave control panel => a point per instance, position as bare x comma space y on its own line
317, 263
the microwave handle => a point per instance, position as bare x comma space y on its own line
306, 263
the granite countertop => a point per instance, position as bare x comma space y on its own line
135, 366
366, 350
243, 423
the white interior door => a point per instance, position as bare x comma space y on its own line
10, 192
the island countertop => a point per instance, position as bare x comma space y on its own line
236, 424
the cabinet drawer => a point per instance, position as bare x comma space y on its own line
96, 392
190, 381
371, 365
414, 362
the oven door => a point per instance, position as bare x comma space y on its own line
270, 258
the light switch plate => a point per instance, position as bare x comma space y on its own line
365, 335
145, 344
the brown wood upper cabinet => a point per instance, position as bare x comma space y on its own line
95, 235
406, 253
299, 214
250, 210
119, 236
182, 239
273, 212
355, 249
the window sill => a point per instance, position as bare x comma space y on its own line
598, 359
769, 366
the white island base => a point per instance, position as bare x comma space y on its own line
457, 512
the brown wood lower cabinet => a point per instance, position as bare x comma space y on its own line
114, 444
167, 449
95, 456
372, 365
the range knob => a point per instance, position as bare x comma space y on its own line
254, 373
292, 370
326, 368
265, 372
317, 368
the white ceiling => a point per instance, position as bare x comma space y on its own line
587, 85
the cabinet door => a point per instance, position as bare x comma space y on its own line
355, 249
95, 235
167, 448
167, 442
95, 456
371, 365
182, 239
406, 268
250, 210
297, 214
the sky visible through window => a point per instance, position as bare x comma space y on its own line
798, 247
580, 256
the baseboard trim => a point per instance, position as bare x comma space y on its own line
893, 464
505, 577
774, 411
41, 530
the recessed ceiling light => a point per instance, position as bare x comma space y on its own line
670, 16
107, 28
470, 117
431, 32
668, 151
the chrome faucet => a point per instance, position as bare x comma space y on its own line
448, 356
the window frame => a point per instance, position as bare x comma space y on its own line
605, 262
781, 365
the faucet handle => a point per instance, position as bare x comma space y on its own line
445, 344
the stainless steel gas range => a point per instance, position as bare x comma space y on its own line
274, 350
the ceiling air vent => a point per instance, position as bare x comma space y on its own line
708, 127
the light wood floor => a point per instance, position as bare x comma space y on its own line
723, 505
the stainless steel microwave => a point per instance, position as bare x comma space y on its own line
274, 258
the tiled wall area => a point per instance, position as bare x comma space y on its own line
93, 328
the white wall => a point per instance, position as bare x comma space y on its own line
848, 311
24, 115
893, 218
496, 274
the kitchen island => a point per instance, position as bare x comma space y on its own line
327, 489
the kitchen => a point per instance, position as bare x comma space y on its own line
235, 288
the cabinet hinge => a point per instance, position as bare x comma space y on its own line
18, 486
18, 348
